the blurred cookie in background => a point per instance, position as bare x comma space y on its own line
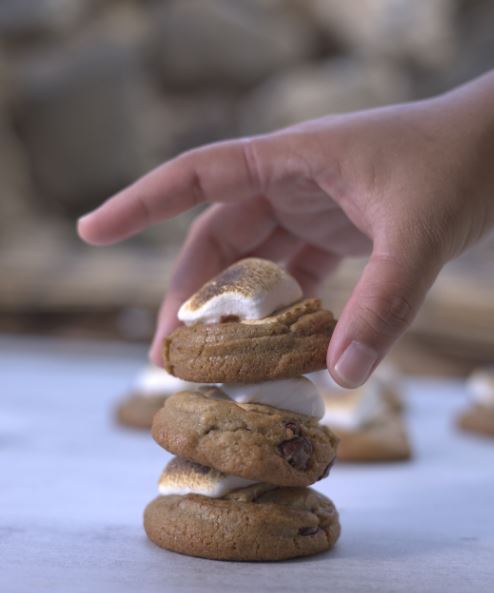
479, 416
368, 420
147, 395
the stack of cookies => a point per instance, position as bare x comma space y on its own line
249, 444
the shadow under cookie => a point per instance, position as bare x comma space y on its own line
279, 524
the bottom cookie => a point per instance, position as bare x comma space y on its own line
383, 440
251, 524
138, 411
478, 419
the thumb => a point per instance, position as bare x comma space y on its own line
382, 305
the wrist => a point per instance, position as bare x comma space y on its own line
468, 114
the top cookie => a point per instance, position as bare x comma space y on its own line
287, 344
248, 324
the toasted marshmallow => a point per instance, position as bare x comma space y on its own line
184, 477
154, 382
250, 289
298, 395
480, 386
350, 409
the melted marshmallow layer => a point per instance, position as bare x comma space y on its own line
297, 395
183, 477
251, 289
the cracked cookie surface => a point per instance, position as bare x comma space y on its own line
289, 343
275, 525
253, 441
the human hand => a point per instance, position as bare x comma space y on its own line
408, 184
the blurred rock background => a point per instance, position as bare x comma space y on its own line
93, 93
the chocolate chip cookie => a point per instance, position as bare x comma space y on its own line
384, 440
245, 525
286, 344
253, 441
137, 411
478, 419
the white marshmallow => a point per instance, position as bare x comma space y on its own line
325, 382
298, 395
251, 289
350, 409
183, 477
480, 386
153, 382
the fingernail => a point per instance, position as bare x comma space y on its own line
355, 364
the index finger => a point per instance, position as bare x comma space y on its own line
215, 173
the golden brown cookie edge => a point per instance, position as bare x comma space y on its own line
237, 531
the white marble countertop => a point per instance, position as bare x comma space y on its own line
73, 487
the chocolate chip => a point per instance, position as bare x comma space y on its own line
325, 473
229, 318
308, 530
293, 427
296, 451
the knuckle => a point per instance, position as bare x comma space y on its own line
145, 210
189, 172
250, 149
387, 316
198, 192
433, 239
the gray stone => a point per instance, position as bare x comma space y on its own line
420, 30
220, 41
25, 18
335, 86
475, 48
16, 203
126, 22
188, 120
80, 116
